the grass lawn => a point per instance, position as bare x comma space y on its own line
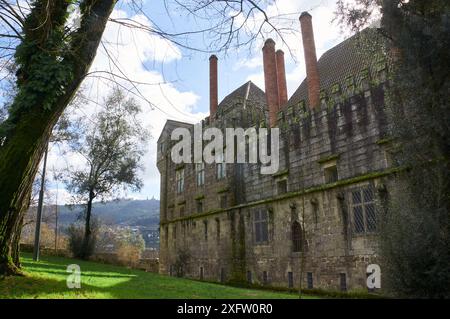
47, 279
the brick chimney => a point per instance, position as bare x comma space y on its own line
281, 78
270, 80
213, 95
309, 47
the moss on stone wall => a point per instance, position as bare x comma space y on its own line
324, 187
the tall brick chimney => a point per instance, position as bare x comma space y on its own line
270, 80
281, 78
309, 47
213, 94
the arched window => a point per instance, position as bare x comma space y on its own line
297, 237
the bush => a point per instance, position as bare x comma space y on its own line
77, 244
128, 255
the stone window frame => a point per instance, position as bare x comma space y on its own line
310, 280
290, 275
221, 166
326, 166
364, 205
179, 180
200, 173
223, 201
261, 238
218, 230
265, 278
205, 230
280, 180
297, 237
199, 206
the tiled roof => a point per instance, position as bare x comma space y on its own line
348, 58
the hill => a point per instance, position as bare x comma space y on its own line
123, 212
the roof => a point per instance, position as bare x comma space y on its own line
348, 58
247, 91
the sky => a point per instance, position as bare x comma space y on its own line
172, 82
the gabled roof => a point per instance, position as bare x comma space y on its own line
248, 91
173, 124
348, 58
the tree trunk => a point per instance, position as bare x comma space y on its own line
86, 251
22, 149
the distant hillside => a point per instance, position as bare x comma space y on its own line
119, 212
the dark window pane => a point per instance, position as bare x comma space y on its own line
257, 232
249, 276
310, 280
296, 237
290, 279
282, 187
265, 278
371, 217
356, 197
368, 195
343, 281
263, 215
331, 174
358, 219
264, 231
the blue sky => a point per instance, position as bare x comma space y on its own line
184, 74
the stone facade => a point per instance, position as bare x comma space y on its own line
315, 220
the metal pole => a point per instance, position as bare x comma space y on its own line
37, 233
56, 222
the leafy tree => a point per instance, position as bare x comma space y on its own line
112, 147
51, 64
52, 51
415, 236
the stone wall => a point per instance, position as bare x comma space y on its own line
328, 156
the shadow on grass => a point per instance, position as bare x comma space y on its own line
60, 270
47, 279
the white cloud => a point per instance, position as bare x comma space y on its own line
132, 53
326, 34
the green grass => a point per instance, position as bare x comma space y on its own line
47, 279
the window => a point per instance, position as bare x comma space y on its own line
290, 279
199, 206
221, 166
166, 235
200, 172
364, 213
218, 229
223, 201
331, 174
249, 276
182, 211
265, 278
205, 224
281, 186
201, 273
179, 176
343, 281
222, 275
309, 279
261, 226
297, 237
